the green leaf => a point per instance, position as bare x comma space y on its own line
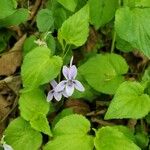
72, 124
143, 3
4, 39
50, 40
39, 67
137, 3
142, 139
19, 16
69, 4
21, 136
126, 131
70, 133
123, 45
89, 94
104, 73
129, 102
29, 44
7, 8
70, 142
32, 104
75, 29
34, 107
60, 15
132, 27
102, 11
44, 20
40, 123
108, 137
65, 112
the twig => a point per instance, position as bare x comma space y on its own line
94, 113
102, 122
11, 110
132, 123
34, 11
6, 80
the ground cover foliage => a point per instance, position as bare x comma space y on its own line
74, 74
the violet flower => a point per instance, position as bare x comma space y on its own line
54, 94
70, 83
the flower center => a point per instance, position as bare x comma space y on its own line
70, 82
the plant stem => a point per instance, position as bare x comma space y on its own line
114, 34
113, 42
67, 50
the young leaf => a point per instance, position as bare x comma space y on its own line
21, 136
32, 104
39, 67
51, 43
71, 127
102, 11
129, 102
29, 44
69, 4
104, 73
132, 27
75, 29
108, 137
40, 123
44, 20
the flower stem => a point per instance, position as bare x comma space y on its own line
67, 50
113, 42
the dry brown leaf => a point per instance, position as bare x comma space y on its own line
78, 106
4, 107
92, 40
11, 60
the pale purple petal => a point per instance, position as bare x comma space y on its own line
69, 89
71, 61
61, 86
72, 72
58, 96
65, 94
53, 83
7, 147
78, 85
65, 71
50, 95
